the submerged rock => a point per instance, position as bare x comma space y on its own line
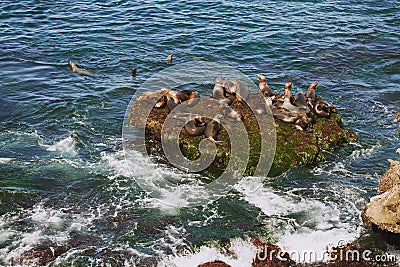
293, 146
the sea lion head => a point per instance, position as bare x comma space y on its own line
261, 78
288, 85
313, 85
73, 66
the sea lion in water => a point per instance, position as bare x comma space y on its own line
133, 71
213, 128
263, 86
170, 57
195, 126
82, 71
398, 116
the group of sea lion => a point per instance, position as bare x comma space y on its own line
301, 109
195, 125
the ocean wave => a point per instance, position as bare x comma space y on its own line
66, 145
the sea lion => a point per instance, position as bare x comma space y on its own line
300, 121
82, 71
311, 94
170, 57
185, 95
218, 91
289, 99
238, 88
153, 95
281, 113
133, 71
228, 112
161, 102
288, 91
195, 125
213, 128
172, 100
263, 86
398, 116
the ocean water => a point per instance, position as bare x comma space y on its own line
63, 176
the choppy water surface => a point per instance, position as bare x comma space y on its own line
63, 177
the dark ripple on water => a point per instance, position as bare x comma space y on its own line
61, 162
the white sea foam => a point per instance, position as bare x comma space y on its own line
265, 198
241, 254
5, 160
312, 224
66, 145
365, 152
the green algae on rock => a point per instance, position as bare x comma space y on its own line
293, 147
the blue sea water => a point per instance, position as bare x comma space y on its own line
63, 179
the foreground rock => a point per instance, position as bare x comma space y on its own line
293, 147
382, 213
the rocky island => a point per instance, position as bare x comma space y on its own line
294, 145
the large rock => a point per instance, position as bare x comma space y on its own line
391, 178
382, 213
293, 147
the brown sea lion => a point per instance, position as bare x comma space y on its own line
133, 71
282, 113
311, 94
195, 126
213, 128
170, 57
218, 91
398, 116
237, 88
82, 71
263, 86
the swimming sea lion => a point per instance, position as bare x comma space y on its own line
213, 128
133, 71
82, 71
170, 57
195, 126
263, 86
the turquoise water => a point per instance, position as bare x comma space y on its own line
63, 176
